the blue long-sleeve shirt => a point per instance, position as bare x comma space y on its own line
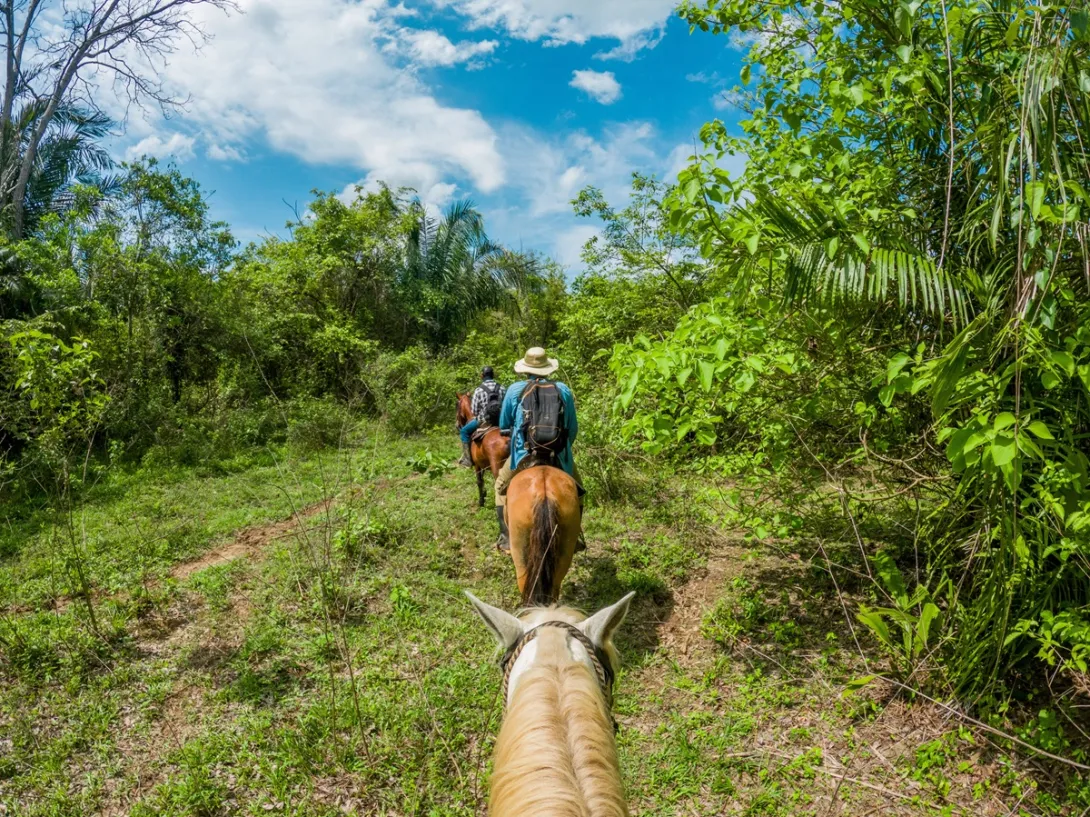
511, 419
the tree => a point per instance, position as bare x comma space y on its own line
637, 241
51, 68
453, 271
922, 166
69, 154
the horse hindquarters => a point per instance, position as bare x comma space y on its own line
543, 517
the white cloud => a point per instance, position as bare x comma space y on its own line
704, 78
678, 160
179, 146
627, 50
431, 48
224, 153
569, 21
311, 77
602, 86
326, 81
725, 100
568, 247
433, 194
549, 171
552, 170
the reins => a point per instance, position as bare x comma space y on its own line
603, 669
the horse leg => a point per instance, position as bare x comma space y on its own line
480, 487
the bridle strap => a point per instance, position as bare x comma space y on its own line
598, 658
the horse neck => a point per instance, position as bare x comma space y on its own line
556, 754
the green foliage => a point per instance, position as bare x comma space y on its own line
691, 389
916, 171
904, 628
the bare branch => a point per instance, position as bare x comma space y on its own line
126, 40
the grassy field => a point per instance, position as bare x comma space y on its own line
291, 638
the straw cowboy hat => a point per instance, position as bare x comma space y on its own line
535, 362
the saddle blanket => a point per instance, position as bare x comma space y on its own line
478, 435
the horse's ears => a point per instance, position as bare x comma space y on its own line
505, 627
600, 627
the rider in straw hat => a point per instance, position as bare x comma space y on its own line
537, 367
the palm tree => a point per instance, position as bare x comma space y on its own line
70, 154
453, 270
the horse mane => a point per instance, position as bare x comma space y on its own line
555, 753
542, 559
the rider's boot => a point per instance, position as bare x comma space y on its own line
467, 459
503, 543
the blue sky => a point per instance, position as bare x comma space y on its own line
515, 104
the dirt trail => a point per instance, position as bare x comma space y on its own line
250, 540
680, 632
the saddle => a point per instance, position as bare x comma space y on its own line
478, 435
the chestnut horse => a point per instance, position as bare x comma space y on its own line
488, 454
544, 521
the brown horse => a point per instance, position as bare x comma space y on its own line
488, 454
544, 519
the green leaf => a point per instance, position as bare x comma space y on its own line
886, 395
630, 389
707, 371
923, 628
752, 243
947, 379
861, 242
1064, 361
902, 16
1050, 380
876, 624
859, 683
904, 52
895, 365
1035, 197
1004, 420
1012, 32
831, 246
745, 74
890, 575
683, 376
1040, 430
1003, 450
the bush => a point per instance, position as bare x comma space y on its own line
415, 390
317, 423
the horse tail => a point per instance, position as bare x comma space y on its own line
543, 553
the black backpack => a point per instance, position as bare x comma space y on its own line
493, 404
543, 419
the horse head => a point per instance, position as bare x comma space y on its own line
589, 640
464, 402
558, 668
